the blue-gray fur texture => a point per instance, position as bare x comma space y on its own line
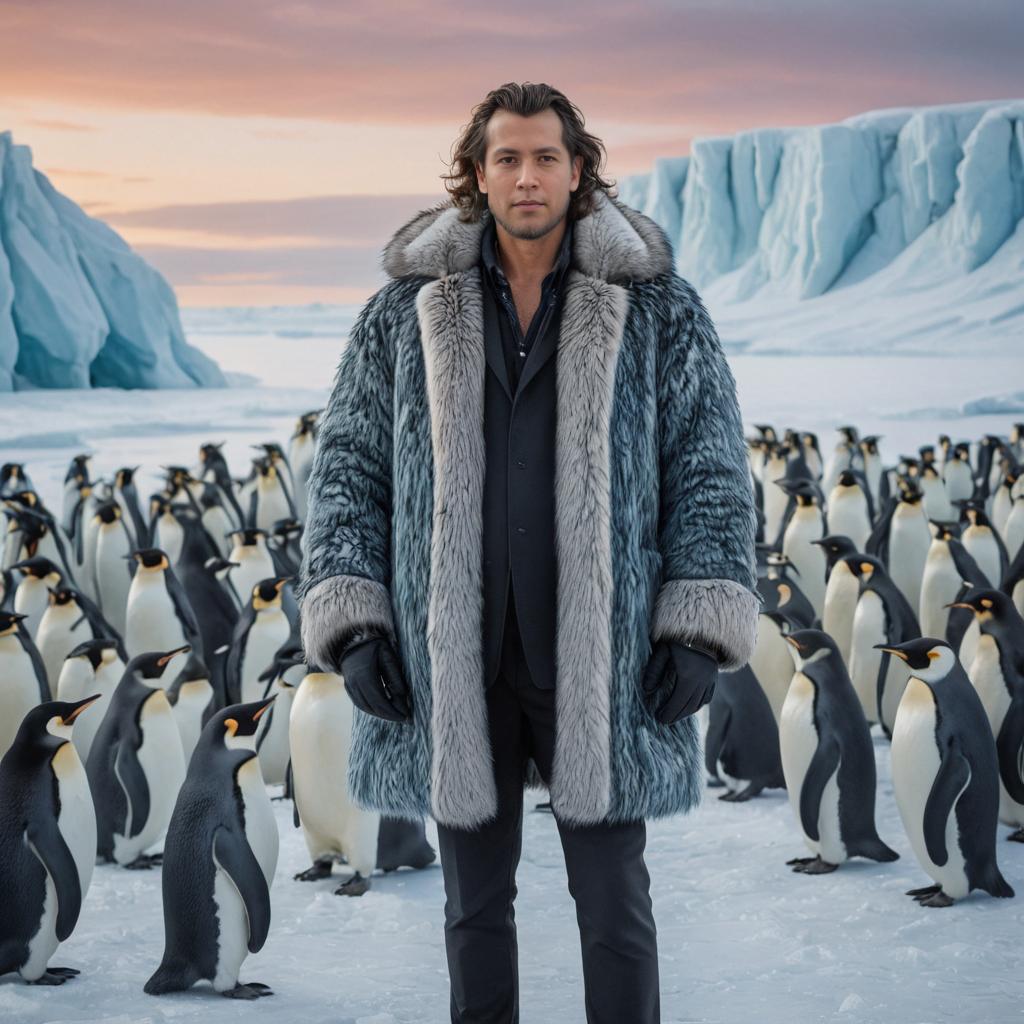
655, 520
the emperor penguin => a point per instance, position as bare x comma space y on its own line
261, 631
779, 591
828, 759
320, 731
806, 526
774, 499
112, 575
32, 597
159, 615
902, 538
13, 479
983, 544
136, 765
1013, 583
842, 588
47, 842
742, 743
95, 667
33, 533
937, 506
23, 682
213, 468
165, 529
840, 460
957, 473
848, 510
1013, 530
772, 672
948, 564
1002, 500
219, 860
285, 541
945, 775
253, 560
193, 699
301, 449
871, 459
271, 499
216, 519
997, 673
76, 477
883, 615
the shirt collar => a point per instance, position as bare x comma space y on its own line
489, 254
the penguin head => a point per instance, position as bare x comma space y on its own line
235, 726
306, 424
220, 567
210, 452
48, 726
39, 568
989, 606
97, 652
866, 568
802, 488
846, 479
107, 513
849, 434
869, 444
836, 546
151, 559
930, 472
944, 531
280, 669
9, 622
910, 493
249, 537
267, 593
929, 658
152, 664
962, 451
285, 528
785, 623
927, 453
125, 476
807, 646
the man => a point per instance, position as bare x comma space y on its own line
530, 544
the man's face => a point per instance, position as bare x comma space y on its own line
527, 175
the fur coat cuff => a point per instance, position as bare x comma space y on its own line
339, 610
720, 614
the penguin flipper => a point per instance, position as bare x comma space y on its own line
819, 771
1009, 743
235, 858
132, 778
49, 846
952, 777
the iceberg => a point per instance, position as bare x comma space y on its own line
894, 227
78, 308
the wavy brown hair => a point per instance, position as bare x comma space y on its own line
524, 99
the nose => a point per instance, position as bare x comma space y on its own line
527, 176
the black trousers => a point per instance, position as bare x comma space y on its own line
605, 865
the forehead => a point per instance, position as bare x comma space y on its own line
524, 134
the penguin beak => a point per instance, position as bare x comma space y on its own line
262, 707
959, 604
281, 581
173, 654
891, 650
793, 643
80, 707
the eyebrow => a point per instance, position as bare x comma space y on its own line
515, 152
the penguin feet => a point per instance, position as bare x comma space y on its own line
714, 783
939, 899
812, 866
321, 869
252, 990
1016, 837
55, 976
743, 795
144, 863
355, 886
927, 890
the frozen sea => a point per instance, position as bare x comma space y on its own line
742, 939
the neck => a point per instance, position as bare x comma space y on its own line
528, 259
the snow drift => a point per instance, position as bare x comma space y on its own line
897, 226
78, 308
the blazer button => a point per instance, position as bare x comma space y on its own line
520, 464
520, 529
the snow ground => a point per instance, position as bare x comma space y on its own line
741, 937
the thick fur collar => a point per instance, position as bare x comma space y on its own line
614, 243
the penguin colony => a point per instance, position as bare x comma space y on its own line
893, 603
149, 664
152, 685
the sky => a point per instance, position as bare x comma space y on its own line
261, 153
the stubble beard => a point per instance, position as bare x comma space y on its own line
533, 231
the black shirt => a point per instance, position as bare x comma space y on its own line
515, 345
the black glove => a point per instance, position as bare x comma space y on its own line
679, 679
373, 678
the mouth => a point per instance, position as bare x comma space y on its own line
529, 205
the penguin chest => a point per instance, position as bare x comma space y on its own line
19, 692
273, 746
840, 607
909, 542
809, 559
772, 664
848, 515
163, 763
260, 825
268, 632
193, 699
798, 741
152, 622
939, 585
915, 763
77, 818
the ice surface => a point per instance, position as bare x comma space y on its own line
77, 307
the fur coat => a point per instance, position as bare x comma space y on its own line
655, 520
